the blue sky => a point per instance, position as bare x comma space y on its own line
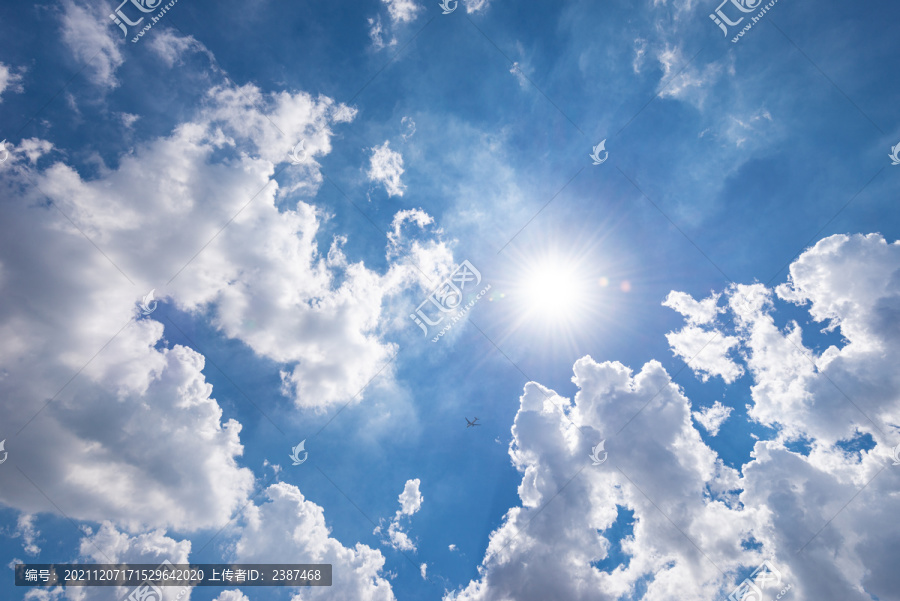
739, 239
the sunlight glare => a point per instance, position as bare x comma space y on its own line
554, 289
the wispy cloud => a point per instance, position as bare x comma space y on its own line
10, 80
87, 33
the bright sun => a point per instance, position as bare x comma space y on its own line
554, 290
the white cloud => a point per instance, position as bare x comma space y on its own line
33, 148
409, 127
693, 516
423, 570
109, 545
399, 12
396, 237
452, 547
739, 130
29, 534
46, 594
516, 70
474, 6
386, 167
684, 80
10, 81
86, 31
402, 11
712, 418
432, 256
378, 33
697, 313
411, 498
410, 503
232, 596
706, 351
171, 47
97, 451
256, 298
288, 525
544, 548
128, 119
136, 400
640, 51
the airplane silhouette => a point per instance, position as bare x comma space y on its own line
469, 424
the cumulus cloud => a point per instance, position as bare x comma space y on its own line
266, 295
98, 450
411, 498
109, 545
706, 351
86, 31
823, 518
386, 167
546, 549
697, 313
410, 503
289, 525
104, 399
423, 570
712, 418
